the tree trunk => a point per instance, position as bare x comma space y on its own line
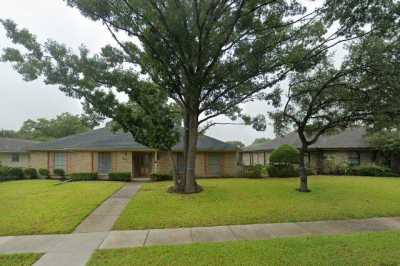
191, 133
178, 178
187, 183
303, 171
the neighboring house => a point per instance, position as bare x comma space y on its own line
347, 147
14, 152
103, 151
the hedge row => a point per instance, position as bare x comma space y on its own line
120, 176
161, 177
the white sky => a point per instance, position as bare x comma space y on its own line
52, 19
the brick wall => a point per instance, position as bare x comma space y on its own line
6, 160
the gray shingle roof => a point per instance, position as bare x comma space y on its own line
8, 145
106, 140
347, 139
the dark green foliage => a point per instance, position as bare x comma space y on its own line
59, 172
16, 173
262, 141
252, 171
371, 171
282, 170
30, 173
11, 173
120, 176
285, 154
44, 173
83, 176
4, 173
45, 129
236, 143
4, 133
161, 177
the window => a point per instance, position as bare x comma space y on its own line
59, 160
354, 158
104, 162
15, 157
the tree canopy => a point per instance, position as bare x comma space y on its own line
63, 125
237, 143
206, 56
261, 141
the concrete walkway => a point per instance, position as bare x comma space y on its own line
76, 249
103, 218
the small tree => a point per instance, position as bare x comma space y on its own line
285, 154
326, 100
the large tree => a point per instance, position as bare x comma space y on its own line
206, 56
62, 125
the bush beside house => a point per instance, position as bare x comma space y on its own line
83, 176
120, 176
253, 171
161, 177
30, 173
44, 173
284, 161
59, 172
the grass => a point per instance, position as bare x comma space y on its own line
45, 206
359, 249
19, 259
248, 201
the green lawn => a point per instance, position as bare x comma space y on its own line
19, 259
45, 206
247, 201
359, 249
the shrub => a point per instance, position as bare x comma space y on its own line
371, 171
15, 173
30, 173
120, 176
161, 177
59, 172
282, 170
44, 173
4, 171
285, 154
252, 171
83, 176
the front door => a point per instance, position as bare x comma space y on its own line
105, 164
142, 164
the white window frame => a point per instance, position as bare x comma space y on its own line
60, 161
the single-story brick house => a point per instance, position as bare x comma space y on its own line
349, 146
14, 152
104, 151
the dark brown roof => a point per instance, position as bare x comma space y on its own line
106, 140
347, 139
9, 145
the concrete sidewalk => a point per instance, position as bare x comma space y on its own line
76, 249
137, 238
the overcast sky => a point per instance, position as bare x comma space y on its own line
20, 100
